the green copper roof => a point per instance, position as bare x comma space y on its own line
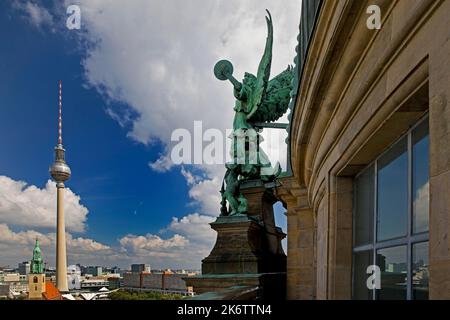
37, 264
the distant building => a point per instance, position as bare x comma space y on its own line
24, 268
12, 284
94, 284
82, 268
4, 291
13, 289
74, 277
93, 270
132, 280
110, 275
115, 270
50, 272
113, 283
9, 277
136, 268
165, 282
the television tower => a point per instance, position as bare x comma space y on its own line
60, 172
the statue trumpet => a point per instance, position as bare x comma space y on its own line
223, 70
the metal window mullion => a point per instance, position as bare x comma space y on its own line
392, 243
392, 145
411, 238
353, 236
364, 247
410, 214
375, 220
421, 237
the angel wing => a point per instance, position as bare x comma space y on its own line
263, 74
275, 100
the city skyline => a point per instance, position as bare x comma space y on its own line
126, 202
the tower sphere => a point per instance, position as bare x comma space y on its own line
60, 171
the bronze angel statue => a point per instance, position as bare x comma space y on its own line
257, 100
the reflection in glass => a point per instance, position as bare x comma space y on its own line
364, 201
420, 271
362, 261
420, 140
393, 192
392, 262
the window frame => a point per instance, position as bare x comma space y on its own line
410, 239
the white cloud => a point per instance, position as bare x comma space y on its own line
205, 191
37, 15
159, 252
83, 245
18, 246
185, 249
9, 237
195, 227
123, 119
151, 244
158, 57
28, 205
206, 194
192, 241
162, 164
191, 179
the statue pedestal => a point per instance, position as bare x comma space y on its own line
248, 251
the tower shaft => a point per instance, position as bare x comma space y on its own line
61, 257
60, 172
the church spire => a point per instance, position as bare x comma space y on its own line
37, 264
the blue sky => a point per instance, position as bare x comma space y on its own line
128, 81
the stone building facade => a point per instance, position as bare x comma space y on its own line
370, 152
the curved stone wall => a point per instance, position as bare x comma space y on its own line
361, 89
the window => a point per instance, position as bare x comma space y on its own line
35, 279
390, 229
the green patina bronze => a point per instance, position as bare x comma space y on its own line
37, 264
258, 100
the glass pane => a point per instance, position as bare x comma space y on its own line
361, 261
364, 201
420, 140
392, 263
420, 271
393, 192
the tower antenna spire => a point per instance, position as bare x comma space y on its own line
60, 114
